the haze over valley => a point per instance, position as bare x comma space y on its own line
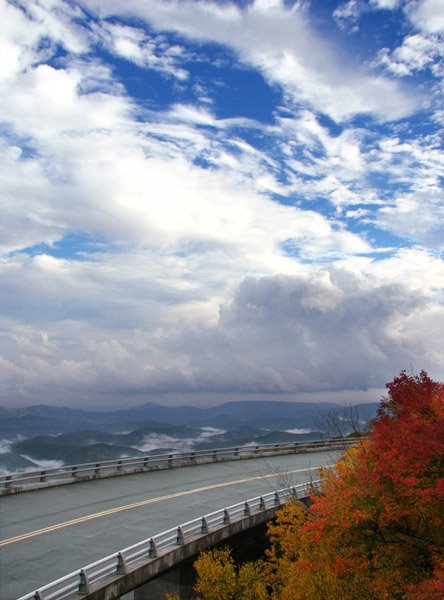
48, 437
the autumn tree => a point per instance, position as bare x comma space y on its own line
220, 579
376, 530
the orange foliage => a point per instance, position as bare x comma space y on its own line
376, 531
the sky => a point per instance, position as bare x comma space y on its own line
213, 200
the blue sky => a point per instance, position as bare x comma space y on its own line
210, 200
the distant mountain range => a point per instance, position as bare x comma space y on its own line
40, 436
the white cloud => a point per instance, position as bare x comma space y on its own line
50, 103
150, 52
416, 53
316, 331
427, 15
279, 42
30, 32
386, 4
127, 180
419, 217
42, 464
347, 14
417, 268
150, 305
121, 182
156, 441
330, 330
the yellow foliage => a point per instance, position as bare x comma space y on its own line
216, 575
298, 569
375, 532
220, 579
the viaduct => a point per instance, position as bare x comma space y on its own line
132, 528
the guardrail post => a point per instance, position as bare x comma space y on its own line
8, 481
256, 449
226, 517
38, 595
84, 582
214, 455
121, 564
152, 551
193, 457
277, 500
42, 476
146, 460
247, 511
261, 503
97, 469
74, 471
204, 526
119, 465
180, 540
236, 452
170, 461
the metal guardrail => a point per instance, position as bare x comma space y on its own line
79, 582
24, 481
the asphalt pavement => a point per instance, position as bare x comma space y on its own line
48, 533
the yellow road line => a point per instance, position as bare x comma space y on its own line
111, 511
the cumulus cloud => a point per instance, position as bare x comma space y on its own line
332, 330
297, 333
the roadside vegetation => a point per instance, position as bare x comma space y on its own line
375, 532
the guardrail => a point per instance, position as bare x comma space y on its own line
24, 481
116, 565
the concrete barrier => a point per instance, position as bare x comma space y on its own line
42, 479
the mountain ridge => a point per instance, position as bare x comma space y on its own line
44, 434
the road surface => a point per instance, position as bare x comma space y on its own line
48, 533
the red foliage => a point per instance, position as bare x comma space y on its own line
409, 433
376, 531
385, 500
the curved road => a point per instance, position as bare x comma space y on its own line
48, 533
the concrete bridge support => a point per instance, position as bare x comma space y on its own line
137, 577
245, 546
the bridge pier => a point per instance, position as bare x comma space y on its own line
179, 580
245, 546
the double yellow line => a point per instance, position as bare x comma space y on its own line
111, 511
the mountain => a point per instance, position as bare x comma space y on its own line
50, 420
37, 434
46, 448
175, 415
6, 412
